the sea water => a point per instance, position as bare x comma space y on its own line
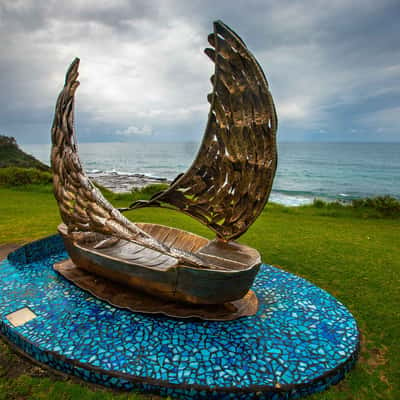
330, 171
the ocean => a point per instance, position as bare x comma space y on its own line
329, 171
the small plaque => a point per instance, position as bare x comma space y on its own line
20, 317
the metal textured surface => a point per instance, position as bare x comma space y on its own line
229, 183
82, 207
122, 296
226, 188
160, 276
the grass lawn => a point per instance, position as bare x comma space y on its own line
352, 255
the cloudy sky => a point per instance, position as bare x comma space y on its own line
333, 66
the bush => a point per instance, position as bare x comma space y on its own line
15, 176
149, 191
144, 193
387, 205
317, 203
376, 207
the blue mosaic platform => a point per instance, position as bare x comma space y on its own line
301, 341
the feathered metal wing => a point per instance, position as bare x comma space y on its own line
83, 208
229, 183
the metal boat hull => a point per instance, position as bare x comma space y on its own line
178, 282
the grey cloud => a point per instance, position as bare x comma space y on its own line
142, 65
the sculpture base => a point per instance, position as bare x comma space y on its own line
300, 341
125, 297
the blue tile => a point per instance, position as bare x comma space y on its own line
301, 340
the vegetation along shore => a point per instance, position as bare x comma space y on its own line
351, 250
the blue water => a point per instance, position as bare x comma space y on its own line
306, 171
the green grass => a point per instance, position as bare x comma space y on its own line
353, 253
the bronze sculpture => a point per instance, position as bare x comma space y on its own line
226, 188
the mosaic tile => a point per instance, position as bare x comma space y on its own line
302, 340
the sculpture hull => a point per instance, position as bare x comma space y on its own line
159, 275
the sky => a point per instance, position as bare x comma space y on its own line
333, 66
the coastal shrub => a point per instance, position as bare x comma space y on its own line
375, 207
387, 205
337, 204
150, 190
16, 176
144, 193
318, 203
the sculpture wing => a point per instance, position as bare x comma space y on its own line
229, 182
82, 207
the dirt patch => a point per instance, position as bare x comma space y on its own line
13, 366
377, 357
5, 249
374, 358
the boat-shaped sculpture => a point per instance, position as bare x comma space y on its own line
226, 188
